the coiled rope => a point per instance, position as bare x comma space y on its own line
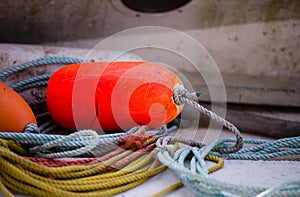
107, 175
40, 62
195, 175
31, 175
126, 167
78, 143
40, 80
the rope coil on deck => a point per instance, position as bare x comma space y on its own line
195, 178
123, 170
42, 145
124, 167
83, 177
195, 175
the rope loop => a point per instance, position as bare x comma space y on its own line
182, 96
189, 163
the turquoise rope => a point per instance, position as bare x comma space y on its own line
39, 80
31, 139
195, 176
264, 149
88, 145
278, 190
40, 62
75, 144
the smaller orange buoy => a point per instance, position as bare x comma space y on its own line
15, 113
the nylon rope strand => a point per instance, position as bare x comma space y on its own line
40, 62
77, 180
42, 145
219, 164
195, 178
195, 175
110, 174
182, 96
35, 81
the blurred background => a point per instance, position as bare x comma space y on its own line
258, 37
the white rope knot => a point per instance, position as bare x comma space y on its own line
181, 96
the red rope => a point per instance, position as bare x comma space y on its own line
61, 162
134, 142
132, 156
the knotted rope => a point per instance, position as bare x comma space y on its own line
195, 175
182, 96
195, 178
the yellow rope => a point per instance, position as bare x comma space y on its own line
27, 177
219, 164
5, 191
168, 189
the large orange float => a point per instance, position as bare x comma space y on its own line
112, 96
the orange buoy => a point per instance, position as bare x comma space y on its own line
112, 96
15, 113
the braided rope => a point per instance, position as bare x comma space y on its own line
37, 95
195, 178
263, 149
182, 96
219, 164
40, 62
76, 180
31, 128
46, 125
83, 161
35, 81
88, 145
62, 162
78, 143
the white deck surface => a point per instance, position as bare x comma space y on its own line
251, 173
